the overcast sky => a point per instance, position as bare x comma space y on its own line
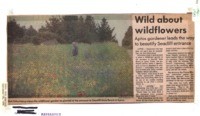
120, 22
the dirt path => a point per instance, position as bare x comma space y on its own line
130, 52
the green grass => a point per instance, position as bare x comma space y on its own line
99, 70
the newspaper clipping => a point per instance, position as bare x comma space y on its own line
104, 58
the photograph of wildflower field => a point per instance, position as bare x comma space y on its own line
70, 56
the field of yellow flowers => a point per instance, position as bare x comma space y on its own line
99, 70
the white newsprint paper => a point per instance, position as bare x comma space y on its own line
98, 57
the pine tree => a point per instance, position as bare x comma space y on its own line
69, 28
30, 35
90, 30
105, 32
14, 31
127, 41
53, 24
31, 31
81, 31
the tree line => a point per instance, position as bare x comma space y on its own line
65, 29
